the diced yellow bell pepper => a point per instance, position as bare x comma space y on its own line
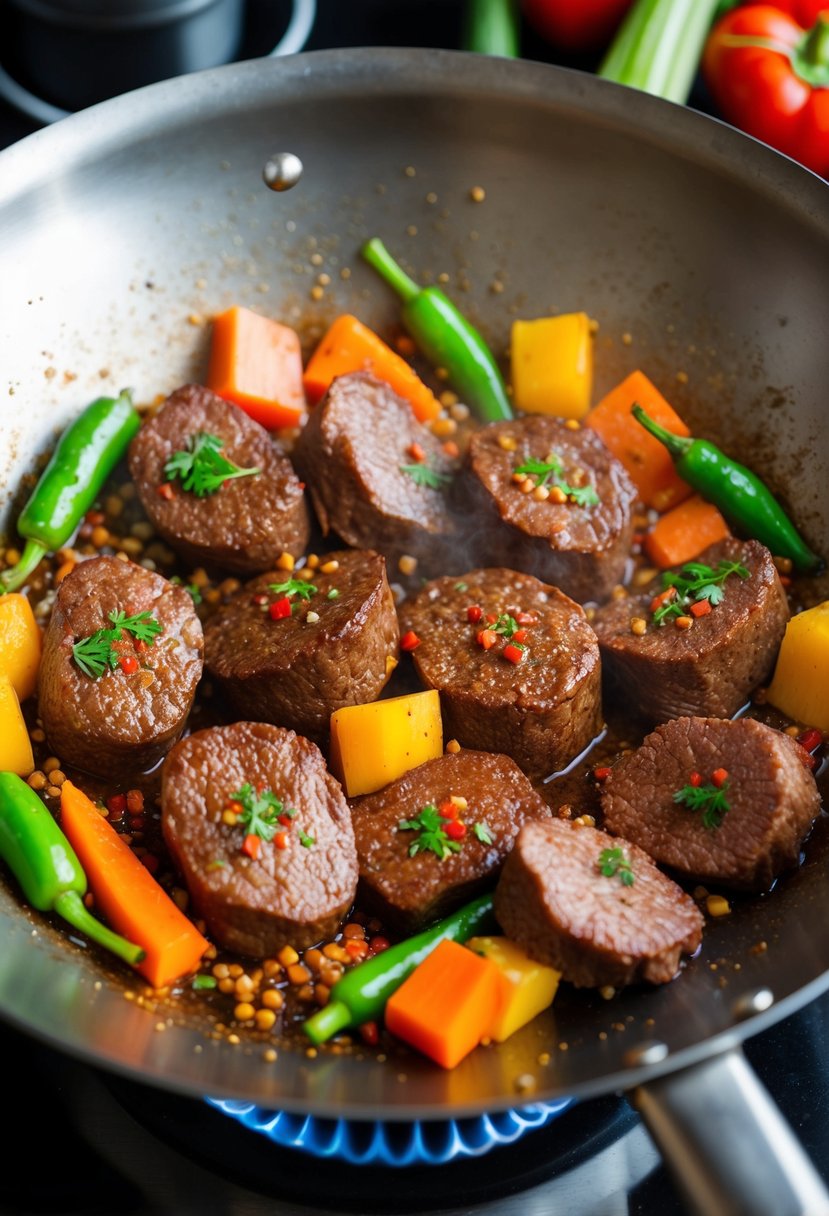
800, 687
20, 644
552, 365
15, 745
532, 986
374, 744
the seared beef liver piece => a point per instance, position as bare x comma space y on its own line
350, 453
711, 668
122, 723
408, 893
582, 550
542, 711
553, 899
772, 797
295, 896
296, 671
249, 521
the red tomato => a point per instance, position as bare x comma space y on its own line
576, 25
805, 12
774, 95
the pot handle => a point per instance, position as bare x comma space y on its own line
728, 1146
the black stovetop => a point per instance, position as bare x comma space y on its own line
78, 1143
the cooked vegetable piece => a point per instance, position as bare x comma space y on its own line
742, 496
491, 28
128, 895
376, 743
646, 461
552, 365
361, 995
445, 337
448, 1004
658, 46
85, 456
43, 862
350, 346
20, 644
257, 364
15, 745
680, 534
531, 986
800, 686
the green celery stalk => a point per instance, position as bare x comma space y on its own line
659, 45
491, 28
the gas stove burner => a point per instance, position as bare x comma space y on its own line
421, 1142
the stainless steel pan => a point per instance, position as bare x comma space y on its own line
121, 226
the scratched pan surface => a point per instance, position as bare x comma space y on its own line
710, 251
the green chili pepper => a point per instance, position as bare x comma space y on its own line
739, 493
361, 995
86, 454
445, 337
44, 863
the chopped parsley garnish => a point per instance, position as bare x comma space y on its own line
293, 586
305, 840
612, 863
461, 586
432, 828
260, 811
551, 472
482, 833
201, 982
711, 799
693, 583
192, 590
97, 653
201, 466
505, 625
422, 475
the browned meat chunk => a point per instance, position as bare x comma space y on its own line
407, 889
336, 646
352, 453
298, 886
711, 668
581, 548
554, 899
742, 838
126, 720
542, 710
249, 521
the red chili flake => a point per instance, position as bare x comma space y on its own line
520, 635
515, 654
474, 613
451, 449
259, 600
150, 862
602, 773
165, 490
140, 646
285, 820
491, 618
236, 807
409, 641
301, 485
117, 805
280, 609
281, 840
455, 830
128, 664
378, 944
719, 777
664, 596
810, 739
252, 844
448, 810
95, 518
695, 780
526, 618
701, 608
370, 1034
356, 949
487, 638
416, 452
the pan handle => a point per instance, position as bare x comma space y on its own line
727, 1144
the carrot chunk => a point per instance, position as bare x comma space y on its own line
448, 1003
680, 534
350, 346
257, 364
128, 895
649, 464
